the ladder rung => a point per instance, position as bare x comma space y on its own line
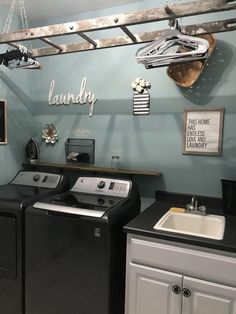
128, 33
88, 39
49, 42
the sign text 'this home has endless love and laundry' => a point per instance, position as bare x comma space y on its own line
65, 99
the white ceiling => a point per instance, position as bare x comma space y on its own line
39, 10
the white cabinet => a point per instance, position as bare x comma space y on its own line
208, 298
150, 291
154, 288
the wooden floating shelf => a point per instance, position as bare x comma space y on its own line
92, 168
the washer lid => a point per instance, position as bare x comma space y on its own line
21, 194
29, 186
79, 204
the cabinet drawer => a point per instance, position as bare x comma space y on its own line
196, 263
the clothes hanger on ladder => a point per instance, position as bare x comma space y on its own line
171, 48
18, 57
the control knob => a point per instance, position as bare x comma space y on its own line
36, 177
101, 184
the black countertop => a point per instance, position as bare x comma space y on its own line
143, 225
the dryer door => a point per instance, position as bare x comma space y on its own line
10, 266
7, 247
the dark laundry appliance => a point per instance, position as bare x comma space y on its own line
75, 248
27, 187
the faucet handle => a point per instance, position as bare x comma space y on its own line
187, 207
202, 209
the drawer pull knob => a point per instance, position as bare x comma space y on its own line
176, 289
186, 292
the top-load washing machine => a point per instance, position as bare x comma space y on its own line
75, 248
26, 188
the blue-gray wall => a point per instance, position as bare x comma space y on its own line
153, 142
16, 88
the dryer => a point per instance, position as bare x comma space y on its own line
75, 248
26, 188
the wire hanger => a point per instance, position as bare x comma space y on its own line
171, 48
21, 57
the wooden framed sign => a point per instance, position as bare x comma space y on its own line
203, 131
3, 122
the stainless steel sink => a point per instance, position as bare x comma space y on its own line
209, 226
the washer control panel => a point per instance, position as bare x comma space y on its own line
102, 186
37, 179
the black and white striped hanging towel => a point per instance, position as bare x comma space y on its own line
141, 103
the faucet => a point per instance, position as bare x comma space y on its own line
193, 207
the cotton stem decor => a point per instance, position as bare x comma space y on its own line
141, 98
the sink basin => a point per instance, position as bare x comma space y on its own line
209, 226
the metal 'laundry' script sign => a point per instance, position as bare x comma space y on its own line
65, 99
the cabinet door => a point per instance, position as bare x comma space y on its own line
150, 291
208, 298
